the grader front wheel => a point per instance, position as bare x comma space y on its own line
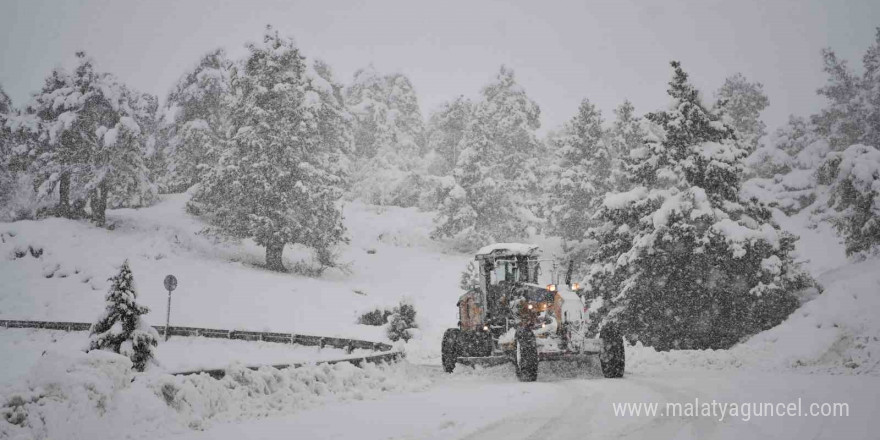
613, 356
449, 351
526, 356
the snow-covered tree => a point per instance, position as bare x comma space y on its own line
784, 169
199, 109
852, 113
841, 120
279, 180
6, 176
742, 102
122, 328
580, 176
446, 129
55, 158
6, 146
91, 144
388, 137
5, 109
401, 322
626, 134
494, 177
854, 179
683, 261
871, 93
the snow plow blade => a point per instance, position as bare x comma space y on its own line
488, 361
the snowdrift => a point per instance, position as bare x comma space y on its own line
96, 395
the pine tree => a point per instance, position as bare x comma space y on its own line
446, 129
121, 328
580, 176
388, 136
852, 114
626, 135
871, 93
802, 158
495, 182
742, 102
59, 154
6, 146
784, 169
200, 106
683, 261
90, 140
841, 120
854, 178
401, 322
279, 180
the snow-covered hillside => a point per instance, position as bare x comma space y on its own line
223, 285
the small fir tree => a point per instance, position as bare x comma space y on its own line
402, 320
121, 328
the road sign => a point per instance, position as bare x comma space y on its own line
170, 283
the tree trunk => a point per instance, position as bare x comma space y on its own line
64, 195
99, 203
273, 257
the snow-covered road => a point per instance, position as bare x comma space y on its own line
491, 404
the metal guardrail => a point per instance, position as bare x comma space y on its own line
346, 344
247, 335
218, 373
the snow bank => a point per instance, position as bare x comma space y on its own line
96, 395
244, 393
81, 396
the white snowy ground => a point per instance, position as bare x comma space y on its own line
562, 405
222, 285
827, 351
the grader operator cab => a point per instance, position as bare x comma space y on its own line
521, 313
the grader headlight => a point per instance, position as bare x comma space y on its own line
551, 287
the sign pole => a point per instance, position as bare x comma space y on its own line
170, 285
168, 316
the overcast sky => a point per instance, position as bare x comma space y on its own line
562, 52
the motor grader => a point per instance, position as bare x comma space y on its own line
519, 312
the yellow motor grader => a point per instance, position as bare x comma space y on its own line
520, 313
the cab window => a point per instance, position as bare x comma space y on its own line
504, 271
